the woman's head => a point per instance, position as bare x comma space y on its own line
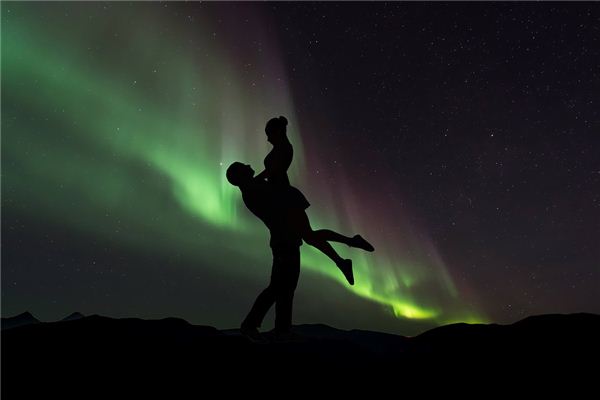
276, 129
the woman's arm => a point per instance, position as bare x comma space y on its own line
263, 175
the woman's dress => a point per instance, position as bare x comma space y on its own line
277, 163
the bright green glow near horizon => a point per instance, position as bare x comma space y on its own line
101, 144
392, 295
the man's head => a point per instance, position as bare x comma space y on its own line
238, 173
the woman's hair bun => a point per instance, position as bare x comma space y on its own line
276, 124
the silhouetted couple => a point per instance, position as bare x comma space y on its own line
281, 207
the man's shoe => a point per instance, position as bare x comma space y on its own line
252, 334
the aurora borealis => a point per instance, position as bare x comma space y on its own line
119, 120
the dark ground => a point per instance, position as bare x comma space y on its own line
105, 354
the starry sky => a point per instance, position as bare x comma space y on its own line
461, 139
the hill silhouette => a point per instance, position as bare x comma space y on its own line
74, 316
128, 349
19, 320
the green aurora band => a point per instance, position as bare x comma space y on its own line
125, 132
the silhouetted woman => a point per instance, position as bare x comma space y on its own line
277, 163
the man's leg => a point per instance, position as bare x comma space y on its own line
261, 306
286, 271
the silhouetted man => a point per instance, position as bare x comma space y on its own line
267, 203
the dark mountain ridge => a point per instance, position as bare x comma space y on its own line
171, 348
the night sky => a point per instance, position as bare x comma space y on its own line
462, 140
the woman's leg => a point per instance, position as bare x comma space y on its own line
327, 235
331, 236
318, 240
